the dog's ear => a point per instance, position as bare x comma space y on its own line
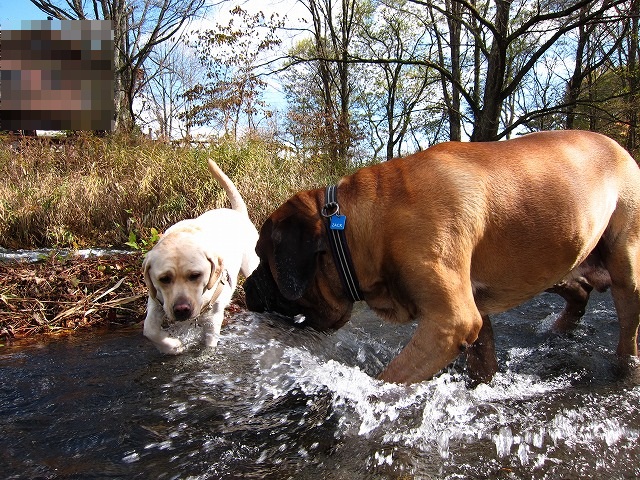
217, 266
146, 266
296, 243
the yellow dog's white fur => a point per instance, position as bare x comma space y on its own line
192, 271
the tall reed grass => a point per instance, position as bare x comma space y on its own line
99, 191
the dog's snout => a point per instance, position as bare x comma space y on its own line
182, 310
262, 294
255, 297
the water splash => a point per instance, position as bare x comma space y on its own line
442, 415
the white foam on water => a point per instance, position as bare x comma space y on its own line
578, 427
350, 386
519, 419
441, 414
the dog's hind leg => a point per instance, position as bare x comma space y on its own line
622, 261
576, 294
626, 296
482, 363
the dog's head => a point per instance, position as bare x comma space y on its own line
297, 274
181, 274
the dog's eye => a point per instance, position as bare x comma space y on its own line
166, 280
194, 277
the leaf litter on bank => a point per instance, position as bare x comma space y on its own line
65, 293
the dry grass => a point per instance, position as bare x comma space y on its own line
96, 192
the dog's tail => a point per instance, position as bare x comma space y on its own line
237, 203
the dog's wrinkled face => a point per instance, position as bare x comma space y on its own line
180, 275
297, 275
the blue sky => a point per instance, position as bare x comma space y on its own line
12, 12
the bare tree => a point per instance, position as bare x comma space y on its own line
173, 69
402, 89
604, 91
138, 26
231, 95
332, 23
510, 32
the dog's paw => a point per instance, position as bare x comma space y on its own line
171, 346
210, 340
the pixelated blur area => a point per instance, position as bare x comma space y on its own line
57, 75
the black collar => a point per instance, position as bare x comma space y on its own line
342, 257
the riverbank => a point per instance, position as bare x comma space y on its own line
60, 294
116, 193
63, 293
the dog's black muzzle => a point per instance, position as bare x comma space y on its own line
257, 288
262, 294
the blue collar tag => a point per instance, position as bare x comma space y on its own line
338, 222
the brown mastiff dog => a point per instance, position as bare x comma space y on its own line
455, 233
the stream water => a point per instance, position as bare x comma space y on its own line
279, 402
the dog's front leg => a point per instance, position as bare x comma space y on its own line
442, 334
482, 363
212, 324
153, 330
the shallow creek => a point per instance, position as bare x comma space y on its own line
280, 402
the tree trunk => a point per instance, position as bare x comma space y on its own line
344, 125
453, 106
575, 83
487, 122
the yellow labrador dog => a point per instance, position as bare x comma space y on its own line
192, 271
455, 233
